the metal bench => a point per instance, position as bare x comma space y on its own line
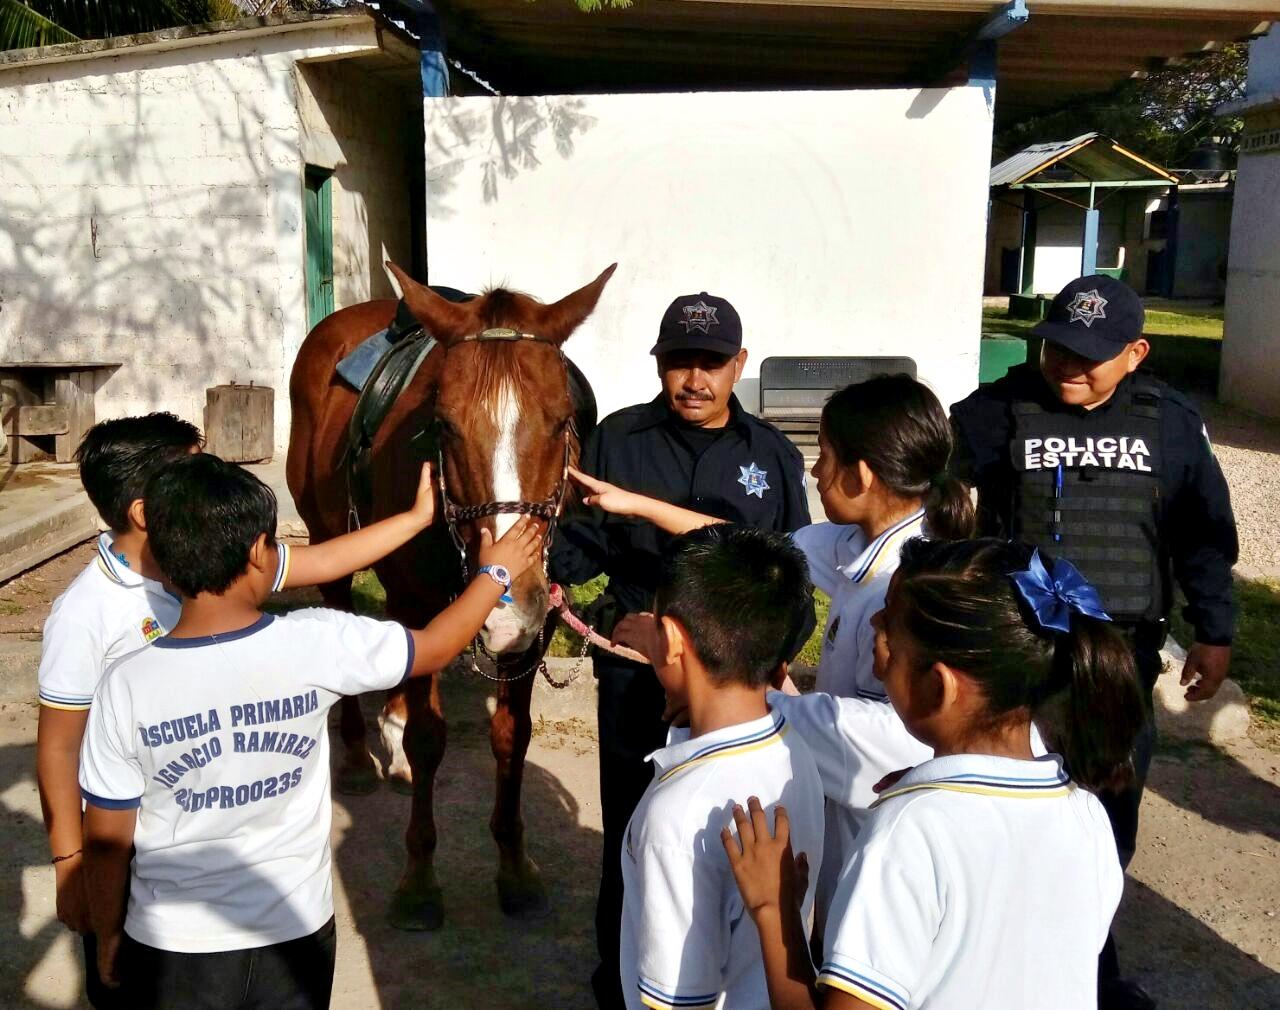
793, 390
47, 406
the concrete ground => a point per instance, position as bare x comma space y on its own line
1198, 925
44, 510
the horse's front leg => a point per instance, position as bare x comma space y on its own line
417, 902
521, 892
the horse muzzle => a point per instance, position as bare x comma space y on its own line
512, 628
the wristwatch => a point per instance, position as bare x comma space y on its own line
502, 577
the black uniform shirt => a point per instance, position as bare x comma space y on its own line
747, 472
1196, 526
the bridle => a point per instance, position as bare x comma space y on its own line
548, 509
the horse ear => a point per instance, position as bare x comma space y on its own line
442, 318
559, 319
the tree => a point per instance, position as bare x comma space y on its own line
25, 23
1163, 116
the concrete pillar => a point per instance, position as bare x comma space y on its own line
1251, 340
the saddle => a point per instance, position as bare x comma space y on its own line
382, 367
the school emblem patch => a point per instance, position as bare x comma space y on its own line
753, 479
1087, 306
699, 316
151, 629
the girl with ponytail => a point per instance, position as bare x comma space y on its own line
883, 449
984, 877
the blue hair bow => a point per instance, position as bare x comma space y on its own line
1053, 596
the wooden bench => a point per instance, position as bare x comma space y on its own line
793, 390
47, 406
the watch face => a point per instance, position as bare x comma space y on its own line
500, 573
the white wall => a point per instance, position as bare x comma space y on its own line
838, 223
1251, 337
150, 213
364, 130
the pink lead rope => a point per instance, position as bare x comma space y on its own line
559, 602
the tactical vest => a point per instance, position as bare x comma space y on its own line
1087, 488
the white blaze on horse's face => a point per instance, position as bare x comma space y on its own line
510, 627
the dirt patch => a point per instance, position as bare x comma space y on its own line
25, 599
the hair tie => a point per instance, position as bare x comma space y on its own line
939, 480
1053, 597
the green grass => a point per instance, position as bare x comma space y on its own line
1186, 346
371, 598
1197, 321
1255, 653
565, 643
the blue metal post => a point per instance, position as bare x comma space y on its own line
1089, 251
435, 71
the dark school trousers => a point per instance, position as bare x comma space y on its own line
1122, 806
629, 712
292, 975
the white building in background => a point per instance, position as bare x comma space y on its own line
154, 198
1251, 337
750, 196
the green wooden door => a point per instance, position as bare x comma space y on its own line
319, 223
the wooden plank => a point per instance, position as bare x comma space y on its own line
239, 423
17, 391
55, 365
74, 390
41, 419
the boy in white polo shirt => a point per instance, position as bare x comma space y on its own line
729, 601
208, 753
987, 876
118, 604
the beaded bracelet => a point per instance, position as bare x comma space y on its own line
70, 855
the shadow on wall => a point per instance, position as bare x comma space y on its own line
512, 137
154, 218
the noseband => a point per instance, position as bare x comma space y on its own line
548, 509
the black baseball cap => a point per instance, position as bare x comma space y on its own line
1094, 317
700, 322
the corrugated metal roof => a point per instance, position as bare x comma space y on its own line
1090, 156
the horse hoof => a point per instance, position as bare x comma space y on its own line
401, 785
522, 894
355, 780
416, 910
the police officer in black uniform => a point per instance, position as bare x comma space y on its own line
1096, 461
691, 445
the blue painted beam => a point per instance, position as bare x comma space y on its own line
1003, 20
1089, 254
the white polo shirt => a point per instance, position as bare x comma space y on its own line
855, 573
855, 742
107, 612
221, 743
978, 882
687, 942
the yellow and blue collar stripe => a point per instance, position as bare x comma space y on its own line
726, 748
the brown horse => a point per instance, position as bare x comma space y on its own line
501, 417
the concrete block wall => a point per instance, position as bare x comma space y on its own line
759, 197
365, 133
151, 214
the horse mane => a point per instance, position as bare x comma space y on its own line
499, 362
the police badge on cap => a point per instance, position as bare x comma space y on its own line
1095, 317
700, 322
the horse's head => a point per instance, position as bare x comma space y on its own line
503, 412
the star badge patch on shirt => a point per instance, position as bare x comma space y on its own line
1087, 306
753, 479
699, 316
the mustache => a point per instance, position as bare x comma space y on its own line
695, 396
